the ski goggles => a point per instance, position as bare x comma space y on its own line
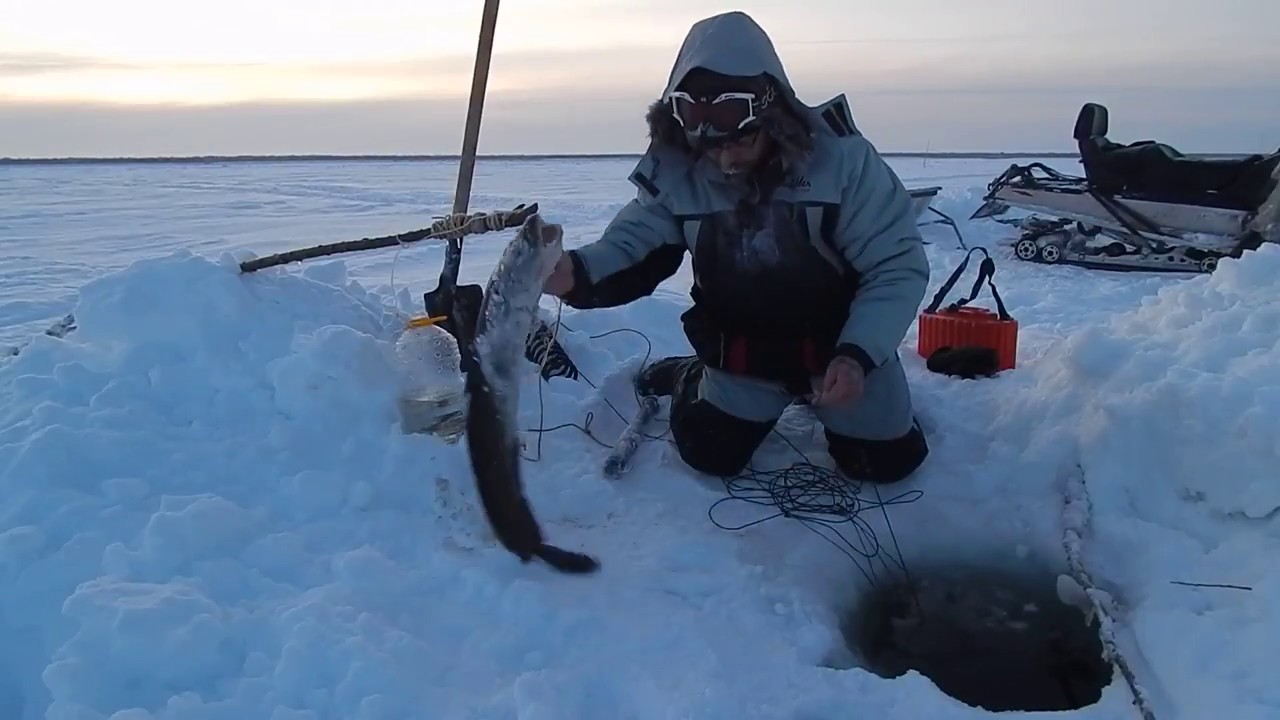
727, 114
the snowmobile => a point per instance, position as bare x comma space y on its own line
1142, 206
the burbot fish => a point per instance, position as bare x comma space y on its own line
505, 319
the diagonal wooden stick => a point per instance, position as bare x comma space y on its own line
450, 227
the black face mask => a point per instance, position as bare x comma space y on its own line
702, 139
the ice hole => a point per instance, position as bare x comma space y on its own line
994, 638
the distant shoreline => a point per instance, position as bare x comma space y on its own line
208, 159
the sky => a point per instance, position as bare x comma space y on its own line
223, 77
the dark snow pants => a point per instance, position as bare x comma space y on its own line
718, 420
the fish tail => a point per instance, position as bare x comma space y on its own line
567, 561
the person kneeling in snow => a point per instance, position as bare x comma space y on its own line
808, 265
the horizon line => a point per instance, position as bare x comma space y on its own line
425, 157
412, 157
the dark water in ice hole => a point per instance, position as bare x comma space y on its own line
995, 639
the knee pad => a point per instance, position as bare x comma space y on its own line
879, 461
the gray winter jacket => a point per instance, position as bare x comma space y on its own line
835, 255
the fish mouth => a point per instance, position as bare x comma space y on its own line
540, 233
551, 234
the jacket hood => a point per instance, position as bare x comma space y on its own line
732, 43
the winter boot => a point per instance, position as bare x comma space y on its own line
660, 378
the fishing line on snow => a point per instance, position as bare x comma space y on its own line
394, 304
817, 497
585, 427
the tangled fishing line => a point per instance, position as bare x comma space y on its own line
817, 497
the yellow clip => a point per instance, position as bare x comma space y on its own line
425, 320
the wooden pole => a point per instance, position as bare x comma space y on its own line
475, 108
470, 139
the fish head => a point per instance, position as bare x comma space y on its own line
545, 241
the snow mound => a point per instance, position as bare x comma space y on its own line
1190, 383
157, 491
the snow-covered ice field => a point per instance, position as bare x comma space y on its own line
207, 508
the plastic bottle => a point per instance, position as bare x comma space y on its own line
432, 395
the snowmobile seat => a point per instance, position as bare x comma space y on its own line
1157, 172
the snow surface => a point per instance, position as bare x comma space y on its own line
208, 509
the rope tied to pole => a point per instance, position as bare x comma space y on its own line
457, 225
451, 227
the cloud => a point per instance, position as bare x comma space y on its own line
53, 77
396, 126
1217, 120
35, 63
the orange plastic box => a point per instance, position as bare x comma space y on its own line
958, 326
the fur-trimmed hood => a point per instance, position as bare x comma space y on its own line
733, 43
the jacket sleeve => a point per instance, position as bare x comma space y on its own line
641, 247
877, 234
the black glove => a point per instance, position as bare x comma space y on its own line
967, 361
